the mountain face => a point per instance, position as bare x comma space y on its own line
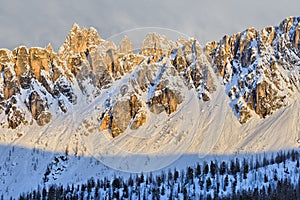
257, 70
38, 84
260, 69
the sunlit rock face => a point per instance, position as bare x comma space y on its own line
38, 83
158, 74
259, 68
32, 80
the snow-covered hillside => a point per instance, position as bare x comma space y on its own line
94, 107
260, 176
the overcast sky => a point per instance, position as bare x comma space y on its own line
38, 22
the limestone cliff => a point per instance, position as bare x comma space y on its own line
31, 80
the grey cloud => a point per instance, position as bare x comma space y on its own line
36, 23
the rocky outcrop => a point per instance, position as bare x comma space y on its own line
163, 70
198, 71
15, 115
46, 77
164, 99
259, 67
96, 63
33, 77
79, 41
125, 47
125, 113
128, 108
156, 45
79, 51
38, 108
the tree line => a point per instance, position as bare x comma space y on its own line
267, 176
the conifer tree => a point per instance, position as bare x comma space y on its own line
208, 184
206, 169
223, 168
245, 168
226, 182
176, 175
213, 169
198, 170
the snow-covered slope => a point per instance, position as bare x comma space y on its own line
98, 106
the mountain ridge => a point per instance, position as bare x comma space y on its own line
254, 66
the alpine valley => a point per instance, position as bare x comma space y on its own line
95, 114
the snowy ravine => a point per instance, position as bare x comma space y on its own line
95, 109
